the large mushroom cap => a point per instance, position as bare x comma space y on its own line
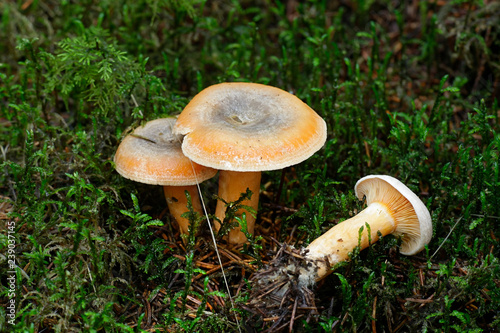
152, 154
249, 127
413, 220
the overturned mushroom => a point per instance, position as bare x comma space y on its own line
243, 129
392, 208
153, 155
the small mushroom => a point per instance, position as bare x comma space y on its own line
392, 208
243, 129
152, 154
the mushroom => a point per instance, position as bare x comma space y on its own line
243, 129
392, 208
152, 154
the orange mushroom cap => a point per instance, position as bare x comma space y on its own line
152, 154
249, 127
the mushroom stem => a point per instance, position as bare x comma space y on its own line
177, 203
335, 245
231, 185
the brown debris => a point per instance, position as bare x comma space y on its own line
277, 296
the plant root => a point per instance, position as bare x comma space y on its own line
281, 292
